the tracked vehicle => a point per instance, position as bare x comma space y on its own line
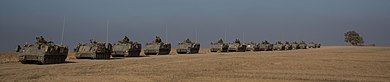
252, 46
219, 46
311, 45
318, 45
287, 45
302, 45
93, 50
294, 45
279, 46
42, 52
237, 46
157, 47
265, 46
126, 48
187, 47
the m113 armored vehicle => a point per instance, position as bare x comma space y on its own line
252, 46
279, 46
237, 46
294, 45
157, 47
126, 48
42, 52
287, 45
318, 45
302, 45
187, 47
311, 45
93, 50
219, 46
265, 46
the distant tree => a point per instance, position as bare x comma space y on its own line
354, 38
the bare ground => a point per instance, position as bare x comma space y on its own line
330, 63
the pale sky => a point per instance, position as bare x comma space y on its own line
322, 21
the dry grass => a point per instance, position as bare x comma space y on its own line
8, 57
330, 63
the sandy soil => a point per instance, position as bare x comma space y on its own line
329, 63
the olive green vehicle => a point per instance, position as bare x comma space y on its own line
219, 46
265, 46
157, 47
237, 46
311, 45
302, 45
279, 46
42, 52
287, 45
318, 45
252, 46
93, 50
126, 48
187, 47
294, 45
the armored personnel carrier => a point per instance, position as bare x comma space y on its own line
279, 46
318, 45
294, 45
157, 47
42, 52
252, 46
93, 50
187, 47
219, 46
311, 45
302, 45
237, 46
287, 45
265, 46
126, 48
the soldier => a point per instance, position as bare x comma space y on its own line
40, 40
188, 41
158, 39
18, 48
279, 42
125, 40
237, 41
303, 42
266, 42
220, 41
92, 41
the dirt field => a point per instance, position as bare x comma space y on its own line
329, 63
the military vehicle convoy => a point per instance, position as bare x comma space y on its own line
302, 45
294, 45
42, 52
187, 47
126, 48
279, 46
252, 46
157, 47
237, 46
46, 52
265, 46
219, 46
93, 50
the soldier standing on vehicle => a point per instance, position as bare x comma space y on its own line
220, 41
188, 41
237, 41
158, 39
125, 40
